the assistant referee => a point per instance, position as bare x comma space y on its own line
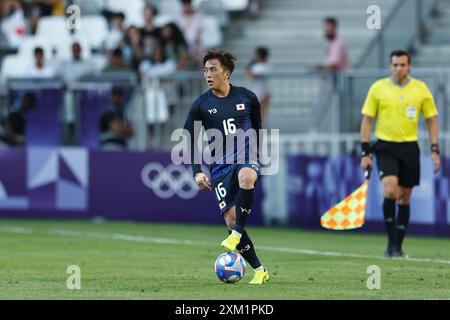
397, 102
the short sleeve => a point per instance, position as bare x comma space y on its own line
429, 109
371, 103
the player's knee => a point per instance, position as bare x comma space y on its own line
390, 193
230, 223
247, 178
404, 199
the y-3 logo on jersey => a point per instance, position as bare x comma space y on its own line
247, 211
211, 111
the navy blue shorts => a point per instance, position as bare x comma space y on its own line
226, 187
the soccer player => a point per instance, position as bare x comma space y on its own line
228, 108
397, 102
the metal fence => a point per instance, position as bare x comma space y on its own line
355, 84
300, 102
318, 111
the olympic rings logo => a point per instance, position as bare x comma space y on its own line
166, 182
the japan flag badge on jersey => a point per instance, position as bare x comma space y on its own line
222, 205
240, 106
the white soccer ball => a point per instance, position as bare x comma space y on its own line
230, 267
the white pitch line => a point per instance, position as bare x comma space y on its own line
134, 238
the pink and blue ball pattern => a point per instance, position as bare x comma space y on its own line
230, 267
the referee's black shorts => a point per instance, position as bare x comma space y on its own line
398, 159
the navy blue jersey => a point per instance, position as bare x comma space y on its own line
239, 110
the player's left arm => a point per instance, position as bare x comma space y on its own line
430, 114
433, 131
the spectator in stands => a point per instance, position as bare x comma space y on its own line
158, 64
117, 31
43, 8
117, 63
39, 69
191, 24
175, 45
132, 47
12, 23
336, 57
115, 127
149, 29
77, 67
12, 133
257, 72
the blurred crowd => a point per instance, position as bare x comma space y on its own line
147, 50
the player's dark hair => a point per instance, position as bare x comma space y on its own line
263, 52
225, 58
400, 53
331, 20
38, 50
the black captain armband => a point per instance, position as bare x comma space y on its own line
435, 148
365, 149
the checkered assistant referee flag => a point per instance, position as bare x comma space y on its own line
350, 212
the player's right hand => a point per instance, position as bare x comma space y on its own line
203, 182
366, 163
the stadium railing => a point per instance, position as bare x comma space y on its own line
303, 104
354, 85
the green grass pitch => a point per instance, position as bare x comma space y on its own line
161, 261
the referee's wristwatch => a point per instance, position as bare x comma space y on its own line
365, 149
435, 148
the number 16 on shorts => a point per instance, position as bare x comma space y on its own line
221, 192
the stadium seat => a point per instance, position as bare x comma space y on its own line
29, 43
133, 10
170, 7
90, 7
160, 20
99, 24
211, 36
214, 8
53, 28
13, 65
235, 5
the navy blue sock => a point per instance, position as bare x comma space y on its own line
402, 224
244, 202
389, 220
247, 250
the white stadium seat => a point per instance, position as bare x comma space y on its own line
94, 29
211, 36
235, 5
161, 20
13, 65
214, 8
53, 28
170, 7
133, 10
